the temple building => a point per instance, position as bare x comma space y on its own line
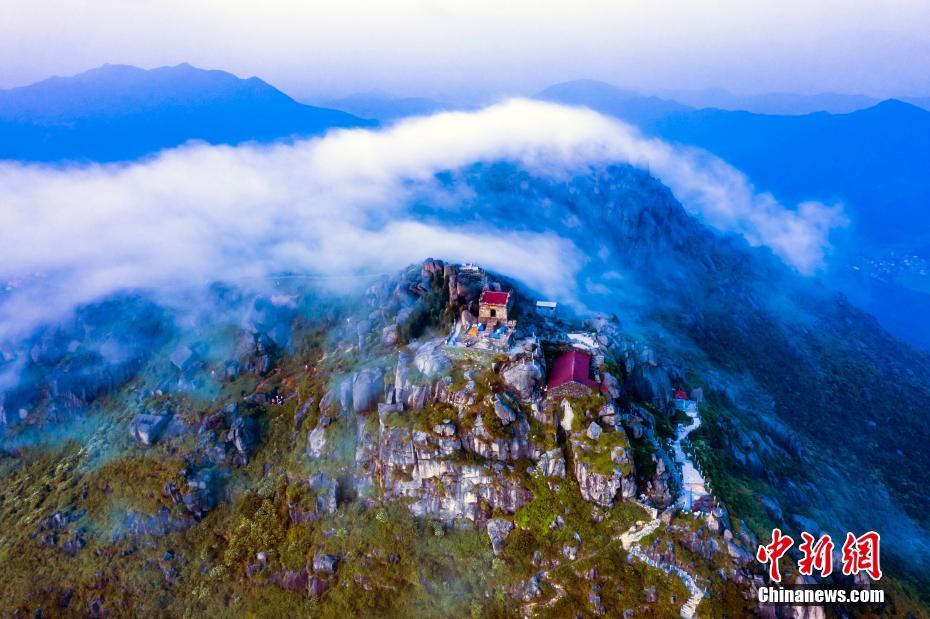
493, 307
571, 375
492, 329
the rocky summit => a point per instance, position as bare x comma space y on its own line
336, 456
447, 441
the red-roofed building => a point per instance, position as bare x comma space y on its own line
493, 297
493, 307
571, 375
704, 503
683, 402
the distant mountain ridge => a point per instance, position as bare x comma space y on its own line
119, 112
769, 103
872, 160
383, 107
785, 103
625, 104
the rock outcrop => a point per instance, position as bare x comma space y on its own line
526, 377
498, 530
430, 360
367, 389
603, 466
429, 468
147, 428
603, 488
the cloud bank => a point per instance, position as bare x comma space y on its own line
338, 205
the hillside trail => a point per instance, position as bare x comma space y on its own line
693, 484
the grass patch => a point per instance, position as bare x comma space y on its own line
598, 454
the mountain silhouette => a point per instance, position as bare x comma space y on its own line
119, 112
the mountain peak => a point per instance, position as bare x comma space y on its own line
609, 99
104, 69
896, 106
88, 115
587, 87
119, 89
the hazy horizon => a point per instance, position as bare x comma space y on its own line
480, 51
692, 97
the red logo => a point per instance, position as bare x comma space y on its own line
860, 554
773, 552
817, 555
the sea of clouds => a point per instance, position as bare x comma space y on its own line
340, 204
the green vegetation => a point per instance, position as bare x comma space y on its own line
423, 420
729, 598
585, 409
391, 564
741, 492
599, 454
826, 364
492, 423
642, 458
625, 586
263, 530
538, 516
542, 434
554, 497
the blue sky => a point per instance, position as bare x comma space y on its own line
481, 48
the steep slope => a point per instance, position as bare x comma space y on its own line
871, 159
120, 112
785, 351
309, 441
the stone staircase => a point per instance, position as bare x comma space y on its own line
630, 541
631, 537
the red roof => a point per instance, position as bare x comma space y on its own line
571, 367
492, 297
703, 503
680, 395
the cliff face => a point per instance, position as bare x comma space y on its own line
348, 457
453, 430
786, 364
290, 425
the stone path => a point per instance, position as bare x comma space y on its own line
691, 480
697, 594
693, 484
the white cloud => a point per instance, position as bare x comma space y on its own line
337, 204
